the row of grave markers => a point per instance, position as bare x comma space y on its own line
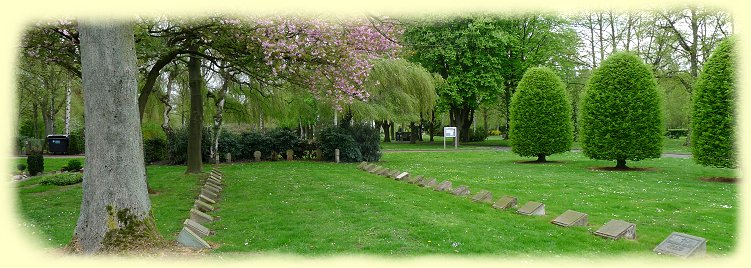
193, 233
677, 244
290, 155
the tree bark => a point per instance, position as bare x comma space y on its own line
620, 163
432, 125
67, 108
151, 78
386, 131
195, 164
412, 133
219, 104
541, 158
115, 210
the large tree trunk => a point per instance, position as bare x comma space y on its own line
412, 133
432, 125
115, 210
67, 108
386, 131
620, 163
461, 118
195, 164
151, 78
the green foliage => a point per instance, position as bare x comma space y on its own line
62, 179
154, 149
480, 134
21, 167
369, 139
540, 115
620, 114
282, 139
74, 165
255, 141
77, 142
334, 137
229, 142
177, 146
35, 161
713, 125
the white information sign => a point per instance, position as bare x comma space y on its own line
450, 132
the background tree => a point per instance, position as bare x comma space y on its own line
621, 117
714, 109
116, 210
540, 115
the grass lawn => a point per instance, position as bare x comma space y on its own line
313, 209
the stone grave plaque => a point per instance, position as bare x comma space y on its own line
206, 199
371, 168
197, 228
362, 164
393, 174
484, 196
377, 169
415, 179
228, 157
203, 206
336, 155
384, 172
214, 183
290, 155
188, 238
429, 183
200, 217
571, 218
216, 172
682, 245
210, 194
214, 188
444, 186
532, 208
257, 155
462, 190
402, 176
616, 229
505, 202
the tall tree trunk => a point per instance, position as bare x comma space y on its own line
620, 163
592, 43
67, 108
432, 125
386, 131
219, 104
412, 132
393, 129
541, 158
195, 164
461, 118
165, 99
115, 210
35, 117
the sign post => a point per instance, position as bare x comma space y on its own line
450, 132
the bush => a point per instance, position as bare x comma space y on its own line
282, 140
35, 162
368, 138
494, 132
62, 179
255, 141
713, 118
154, 149
177, 146
620, 114
540, 122
477, 135
74, 165
229, 142
77, 142
332, 138
21, 167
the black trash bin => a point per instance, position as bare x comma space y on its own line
58, 144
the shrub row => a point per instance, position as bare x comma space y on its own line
62, 179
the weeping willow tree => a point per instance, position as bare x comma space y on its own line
400, 91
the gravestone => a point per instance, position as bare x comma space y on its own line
336, 155
202, 206
532, 208
274, 156
217, 172
393, 174
462, 190
402, 176
206, 199
616, 229
188, 238
384, 172
429, 183
210, 194
415, 179
571, 218
197, 228
444, 186
290, 155
200, 217
212, 187
682, 245
367, 167
319, 154
362, 164
424, 182
214, 181
484, 196
228, 157
377, 169
371, 167
505, 202
257, 155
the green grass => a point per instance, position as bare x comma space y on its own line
314, 209
51, 212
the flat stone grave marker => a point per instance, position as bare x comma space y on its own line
484, 196
505, 202
429, 183
362, 164
257, 155
402, 176
216, 172
376, 169
214, 188
203, 206
393, 174
200, 217
197, 228
462, 190
571, 218
384, 172
424, 182
616, 229
188, 238
532, 208
682, 245
206, 199
214, 183
415, 179
368, 167
444, 186
210, 194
